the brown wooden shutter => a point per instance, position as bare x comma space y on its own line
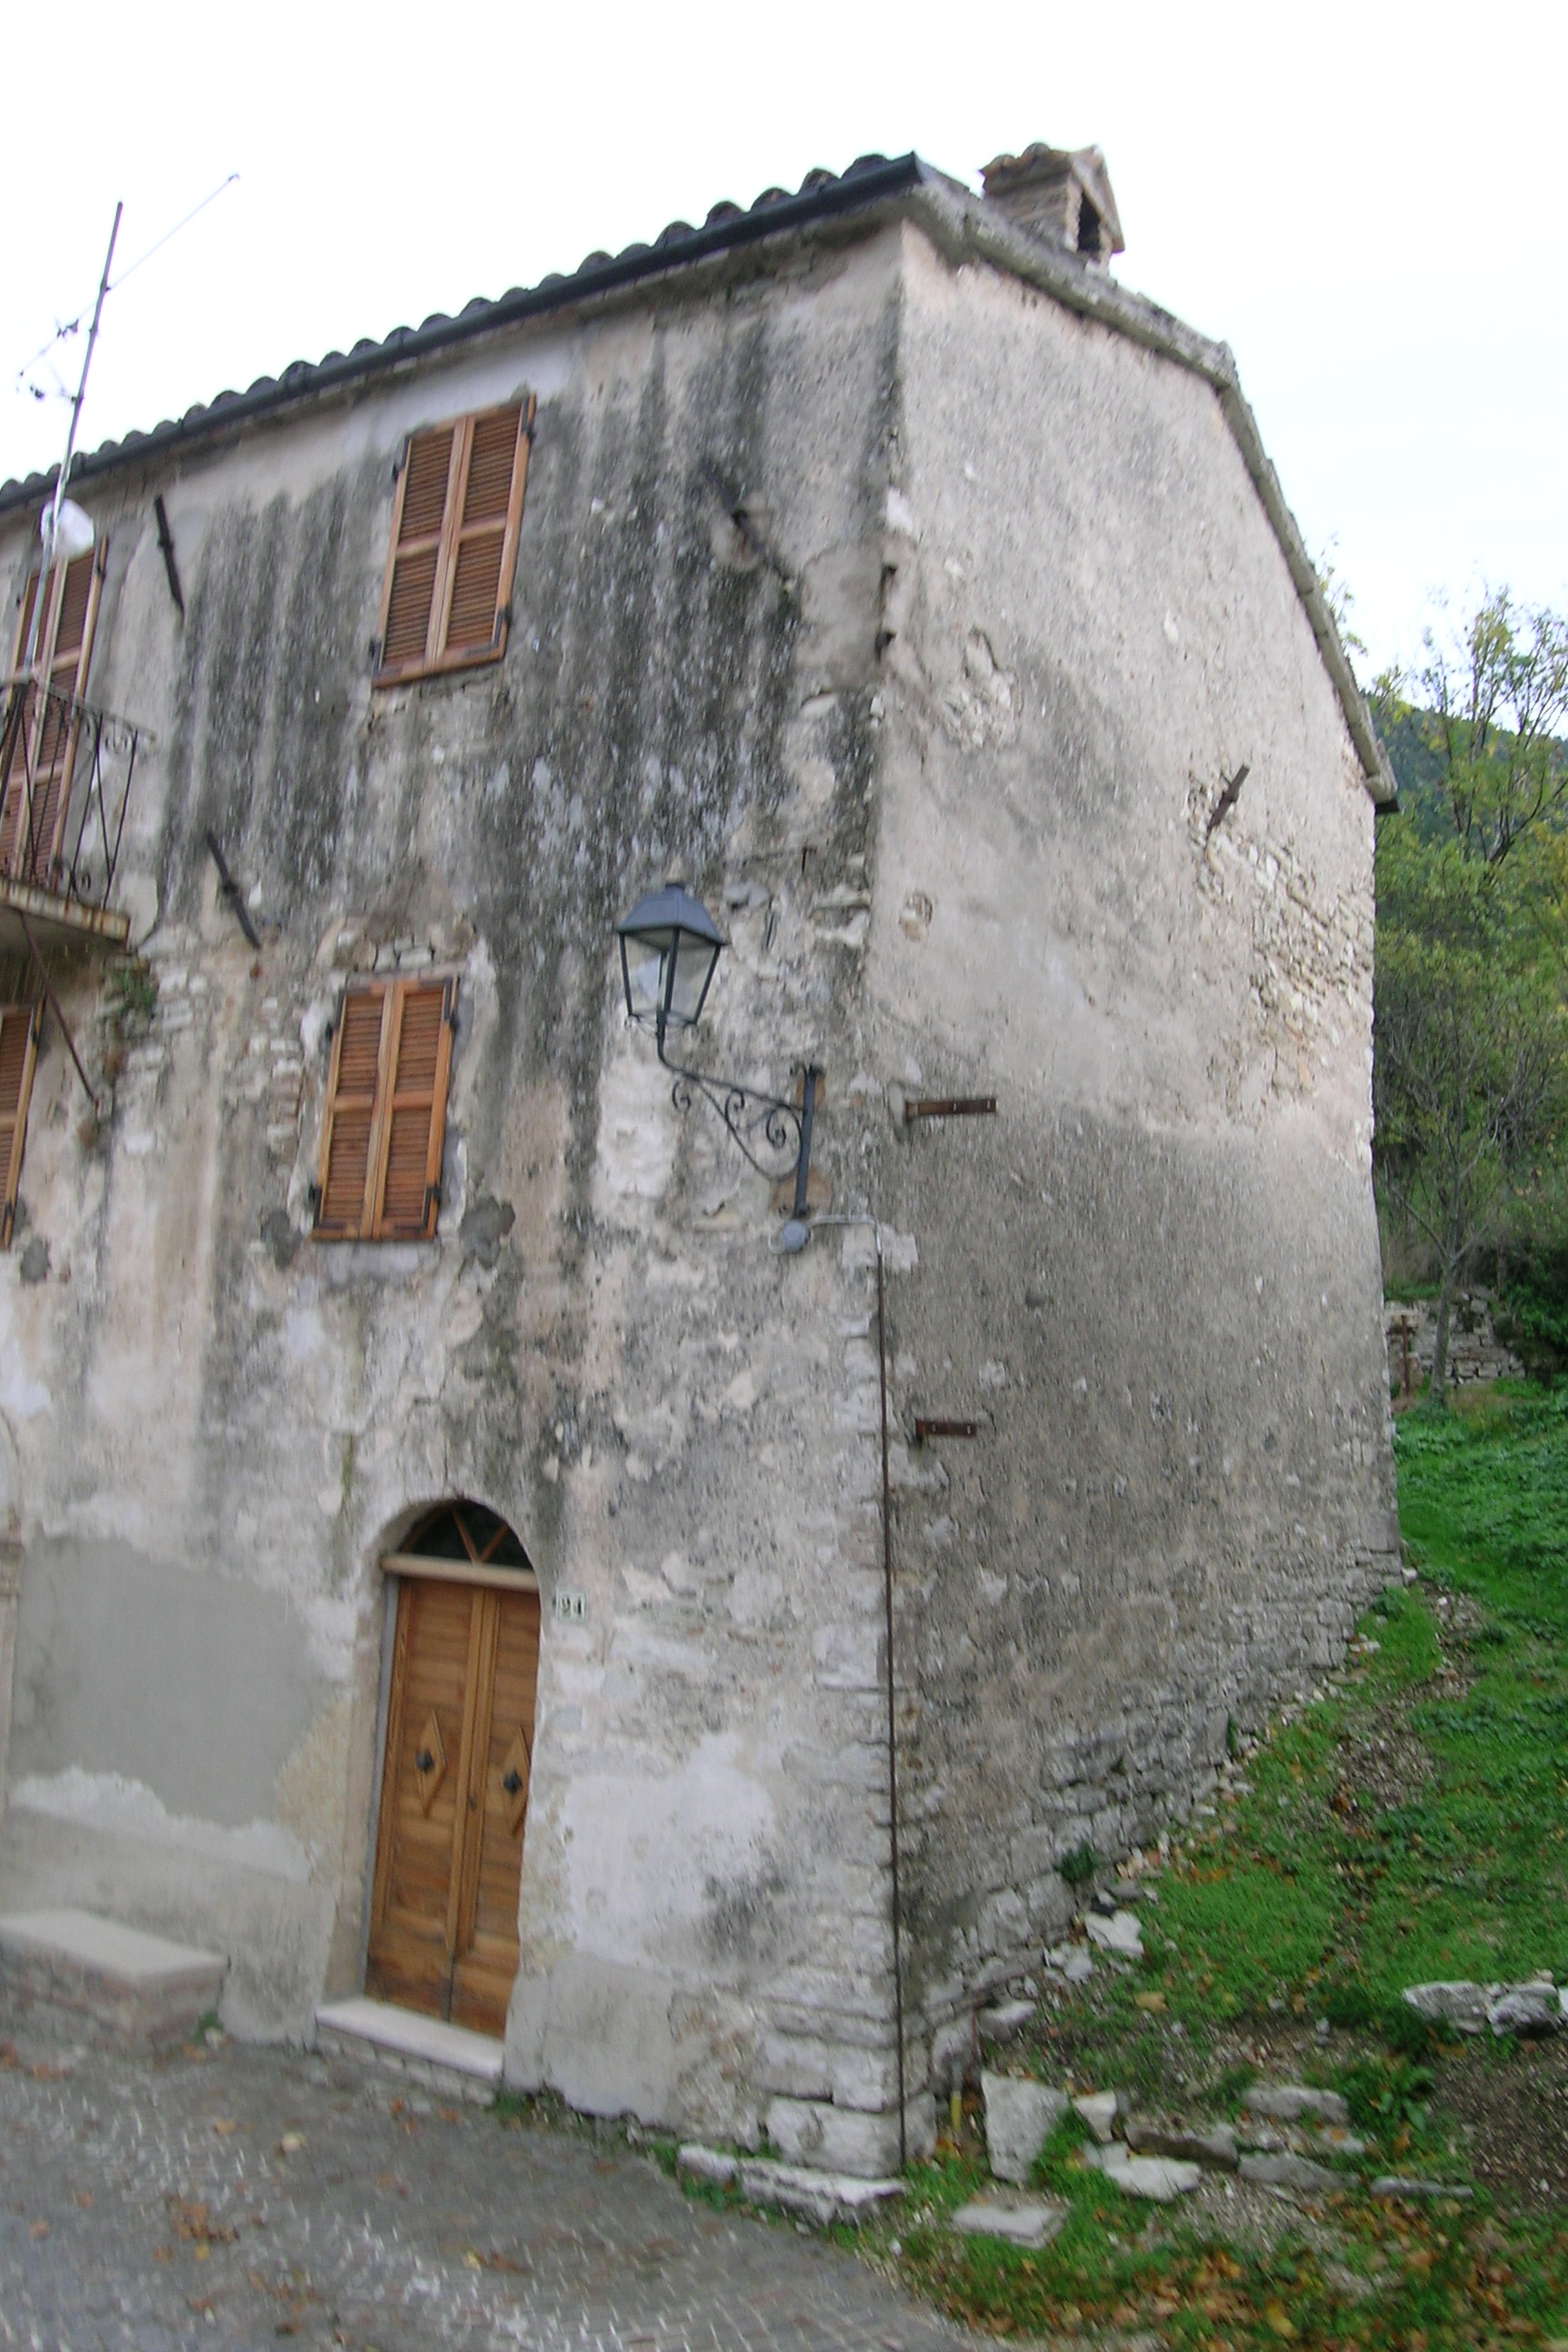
386, 1112
18, 1041
348, 1130
497, 459
454, 526
417, 534
30, 839
415, 1124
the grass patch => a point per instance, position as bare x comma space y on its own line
1411, 1823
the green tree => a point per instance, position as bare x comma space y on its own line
1470, 1074
1493, 702
1470, 1069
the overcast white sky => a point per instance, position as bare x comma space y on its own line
1366, 201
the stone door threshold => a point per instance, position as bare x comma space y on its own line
425, 2049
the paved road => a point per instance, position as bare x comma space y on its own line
244, 2196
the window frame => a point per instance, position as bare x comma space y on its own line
373, 1224
11, 1173
39, 871
438, 660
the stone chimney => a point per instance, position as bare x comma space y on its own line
1060, 195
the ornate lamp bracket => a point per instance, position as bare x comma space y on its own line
759, 1124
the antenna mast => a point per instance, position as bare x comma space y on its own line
51, 529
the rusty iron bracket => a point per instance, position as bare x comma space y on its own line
952, 1107
924, 1429
231, 891
55, 1008
1227, 800
735, 509
166, 549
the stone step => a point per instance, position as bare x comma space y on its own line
449, 2059
130, 1988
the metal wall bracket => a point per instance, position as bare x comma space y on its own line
952, 1107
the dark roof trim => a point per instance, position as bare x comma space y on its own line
823, 196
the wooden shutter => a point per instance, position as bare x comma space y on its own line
415, 1124
18, 1042
386, 1112
454, 526
30, 838
419, 525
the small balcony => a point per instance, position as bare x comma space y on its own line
65, 773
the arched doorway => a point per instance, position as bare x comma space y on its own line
456, 1767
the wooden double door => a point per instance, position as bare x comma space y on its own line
454, 1799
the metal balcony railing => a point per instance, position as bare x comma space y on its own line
65, 774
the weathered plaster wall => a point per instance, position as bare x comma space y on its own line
220, 1424
1152, 1278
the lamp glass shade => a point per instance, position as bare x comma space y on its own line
669, 946
73, 531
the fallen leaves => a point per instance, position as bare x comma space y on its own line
193, 2223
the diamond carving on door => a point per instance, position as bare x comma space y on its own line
449, 1840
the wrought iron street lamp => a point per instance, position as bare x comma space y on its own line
670, 947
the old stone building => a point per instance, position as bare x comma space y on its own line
451, 1537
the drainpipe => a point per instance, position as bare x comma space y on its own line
876, 1232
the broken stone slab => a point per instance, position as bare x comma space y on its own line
1393, 2184
709, 2165
1457, 2002
1070, 1960
1006, 2021
1120, 1934
1527, 2010
1020, 2117
1027, 2222
1296, 2173
1288, 2103
1098, 2109
819, 2197
1161, 2178
1215, 2150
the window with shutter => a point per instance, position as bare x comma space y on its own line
32, 824
386, 1112
18, 1041
454, 522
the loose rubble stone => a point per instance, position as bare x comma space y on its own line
1526, 2010
695, 2162
1162, 2179
1029, 2221
1215, 2150
1005, 2021
819, 2197
1070, 1960
1293, 2172
1288, 2102
1098, 2109
1458, 2004
1020, 2117
1120, 1934
1393, 2184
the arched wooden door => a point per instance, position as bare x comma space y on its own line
454, 1774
